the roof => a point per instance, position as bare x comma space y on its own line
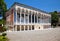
29, 7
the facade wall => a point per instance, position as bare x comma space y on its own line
38, 27
30, 19
9, 18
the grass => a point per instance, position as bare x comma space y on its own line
3, 38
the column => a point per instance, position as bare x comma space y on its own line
20, 15
20, 27
28, 17
16, 20
20, 11
16, 15
24, 16
41, 18
37, 17
28, 27
31, 16
31, 27
24, 27
34, 17
15, 27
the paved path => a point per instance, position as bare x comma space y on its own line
37, 35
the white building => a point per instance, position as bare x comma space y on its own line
21, 17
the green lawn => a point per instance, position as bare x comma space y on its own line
3, 38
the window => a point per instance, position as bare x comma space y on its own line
26, 11
18, 10
39, 27
33, 27
22, 11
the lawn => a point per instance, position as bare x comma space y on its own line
3, 38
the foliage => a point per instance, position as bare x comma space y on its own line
4, 34
3, 38
3, 8
2, 21
54, 18
2, 29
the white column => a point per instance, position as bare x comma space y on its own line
16, 20
24, 27
31, 16
20, 27
31, 27
28, 27
19, 12
15, 27
16, 15
24, 16
28, 17
41, 18
20, 15
37, 17
34, 17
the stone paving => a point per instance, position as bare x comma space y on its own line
37, 35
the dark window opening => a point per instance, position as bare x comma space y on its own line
33, 27
22, 15
39, 27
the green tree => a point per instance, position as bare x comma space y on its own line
3, 9
54, 18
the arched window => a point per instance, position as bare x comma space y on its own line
22, 13
26, 13
18, 10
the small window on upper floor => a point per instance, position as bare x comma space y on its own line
29, 12
18, 10
22, 11
26, 11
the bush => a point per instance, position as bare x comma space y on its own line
2, 29
3, 38
4, 34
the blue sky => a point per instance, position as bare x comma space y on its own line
46, 5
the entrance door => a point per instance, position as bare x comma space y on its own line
18, 28
22, 27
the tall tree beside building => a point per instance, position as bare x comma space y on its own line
3, 9
54, 18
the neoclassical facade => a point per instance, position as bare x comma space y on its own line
22, 17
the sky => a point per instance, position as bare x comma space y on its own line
45, 5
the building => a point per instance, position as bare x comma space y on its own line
22, 17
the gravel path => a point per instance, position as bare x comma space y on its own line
37, 35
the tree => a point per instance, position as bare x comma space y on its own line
3, 9
54, 18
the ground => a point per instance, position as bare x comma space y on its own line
37, 35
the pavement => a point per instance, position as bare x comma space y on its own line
36, 35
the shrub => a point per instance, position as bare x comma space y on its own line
4, 29
4, 34
3, 38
